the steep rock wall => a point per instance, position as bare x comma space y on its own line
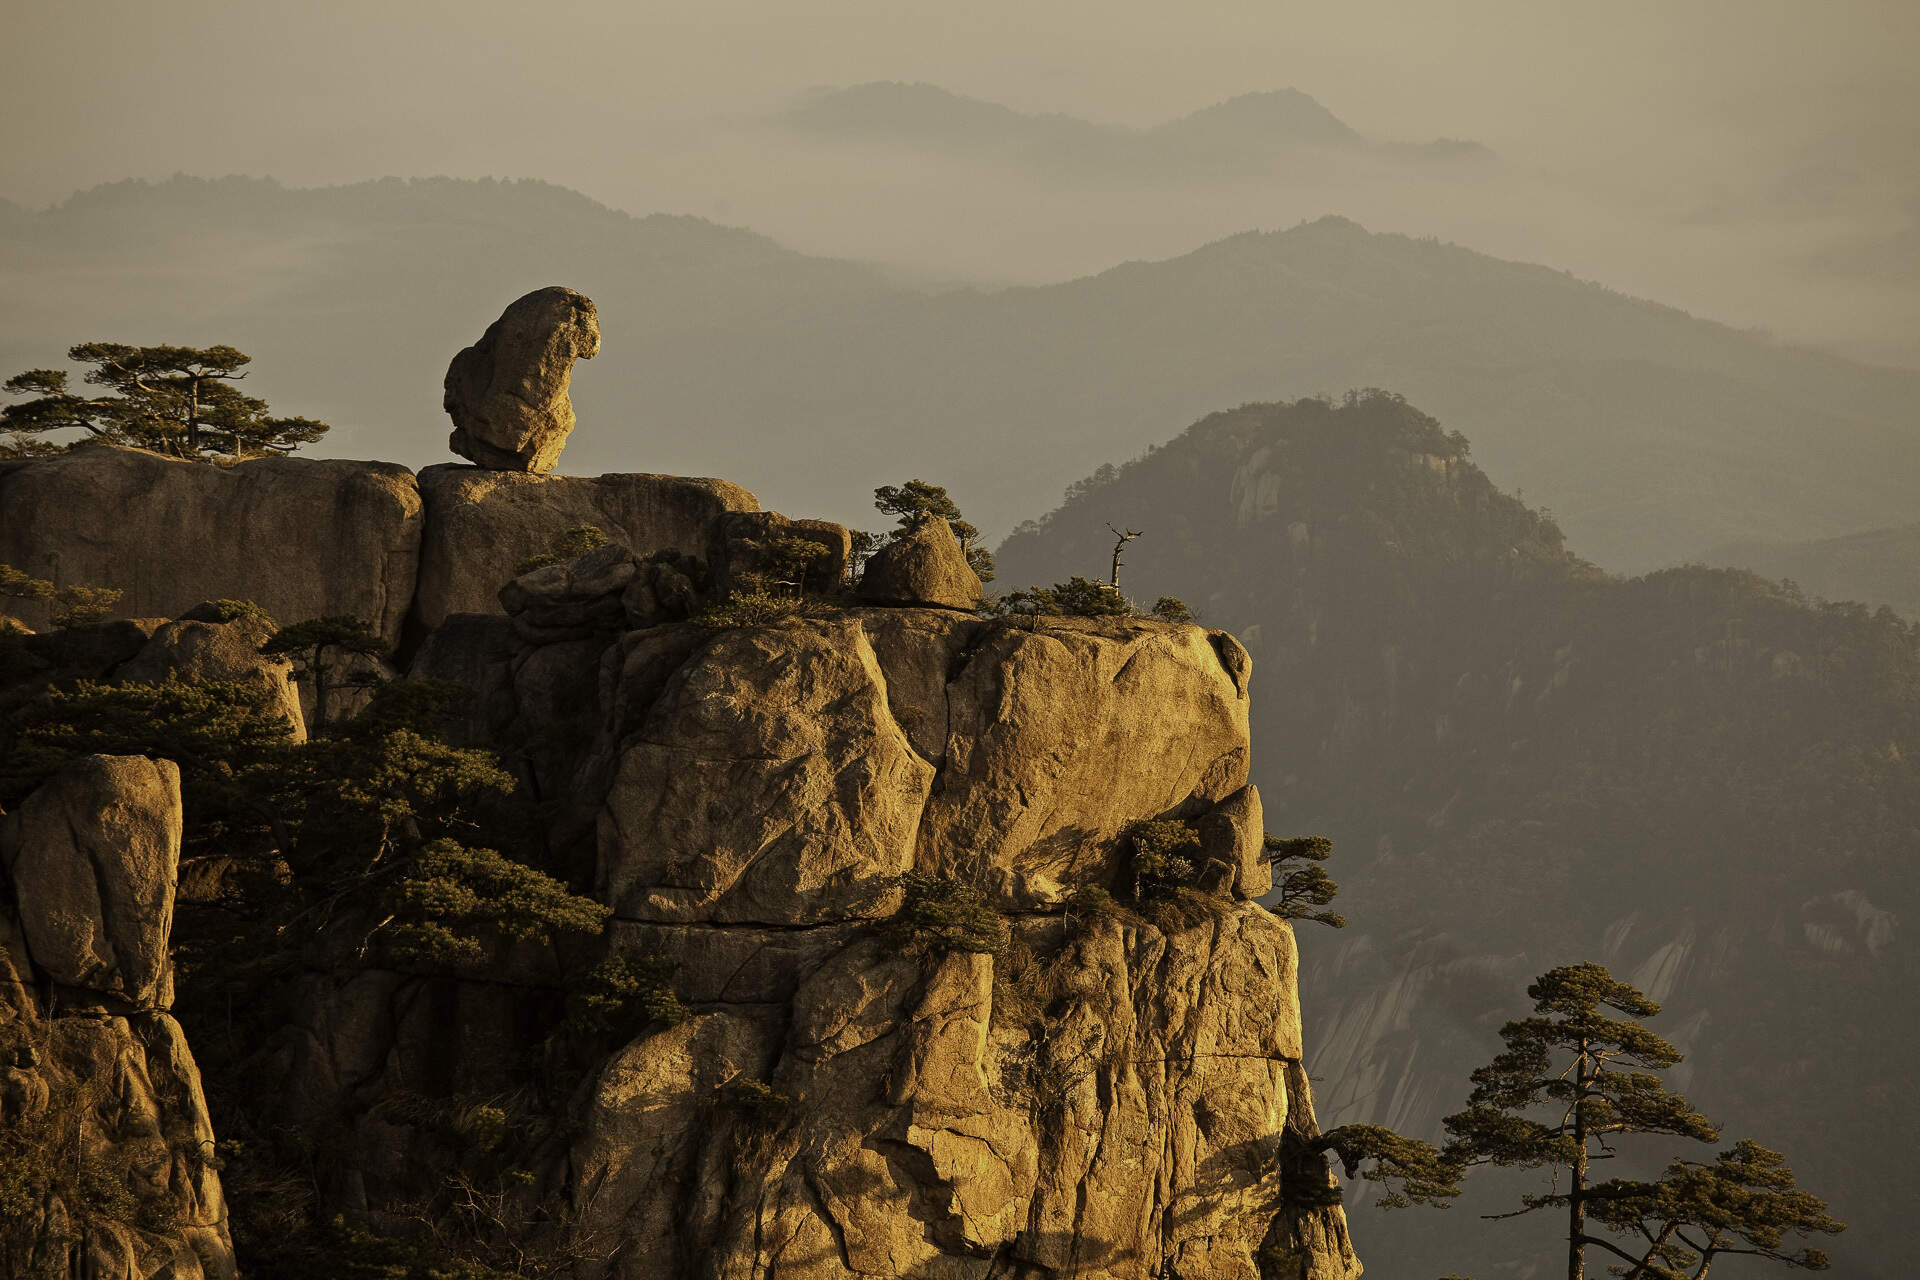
301, 537
1110, 1096
106, 1148
481, 524
307, 538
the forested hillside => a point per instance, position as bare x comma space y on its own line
1880, 566
1650, 434
1698, 778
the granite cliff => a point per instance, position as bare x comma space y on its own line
107, 1163
1108, 1087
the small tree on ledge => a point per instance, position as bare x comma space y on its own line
179, 401
323, 650
916, 500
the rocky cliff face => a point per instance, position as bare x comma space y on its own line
107, 1163
1101, 1090
1111, 1094
308, 538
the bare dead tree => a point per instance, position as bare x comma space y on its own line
1122, 539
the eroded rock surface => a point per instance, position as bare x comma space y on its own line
507, 393
94, 853
301, 537
482, 524
202, 644
1109, 1096
98, 1087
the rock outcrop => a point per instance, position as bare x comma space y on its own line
507, 393
108, 1164
482, 524
1111, 1088
923, 566
301, 537
208, 642
1107, 1096
747, 553
205, 643
95, 852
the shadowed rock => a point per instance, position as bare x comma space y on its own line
507, 393
482, 524
301, 537
203, 645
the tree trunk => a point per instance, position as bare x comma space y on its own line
193, 420
319, 689
1577, 1192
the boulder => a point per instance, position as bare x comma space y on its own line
823, 793
924, 566
1062, 733
853, 748
93, 854
482, 525
91, 651
1233, 846
507, 393
204, 644
300, 537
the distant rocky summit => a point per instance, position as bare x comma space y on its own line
507, 393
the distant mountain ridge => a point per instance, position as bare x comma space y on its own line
1878, 567
1249, 133
1651, 434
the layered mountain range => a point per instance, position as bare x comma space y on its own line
1252, 134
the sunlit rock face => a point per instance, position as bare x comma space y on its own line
507, 393
301, 537
95, 1074
1108, 1096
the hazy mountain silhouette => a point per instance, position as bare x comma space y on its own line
1651, 434
1695, 777
1250, 134
1879, 567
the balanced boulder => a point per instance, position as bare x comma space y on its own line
507, 393
925, 565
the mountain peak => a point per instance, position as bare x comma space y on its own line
1267, 118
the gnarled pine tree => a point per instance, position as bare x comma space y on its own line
174, 400
1594, 1077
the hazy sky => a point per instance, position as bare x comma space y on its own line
1754, 160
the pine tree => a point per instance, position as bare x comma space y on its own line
1745, 1203
174, 400
322, 651
1593, 1076
916, 500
